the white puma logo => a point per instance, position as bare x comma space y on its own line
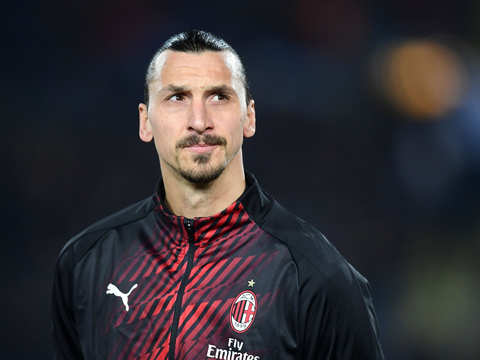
112, 289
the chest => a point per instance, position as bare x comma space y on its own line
230, 300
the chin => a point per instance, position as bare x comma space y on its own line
202, 175
202, 169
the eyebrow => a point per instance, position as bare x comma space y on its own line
221, 89
180, 89
174, 88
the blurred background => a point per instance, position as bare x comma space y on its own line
368, 126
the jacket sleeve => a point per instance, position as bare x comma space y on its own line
338, 317
65, 336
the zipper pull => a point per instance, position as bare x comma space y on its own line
188, 223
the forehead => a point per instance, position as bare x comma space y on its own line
182, 68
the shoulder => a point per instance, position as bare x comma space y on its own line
80, 244
317, 260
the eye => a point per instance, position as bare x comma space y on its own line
176, 97
219, 97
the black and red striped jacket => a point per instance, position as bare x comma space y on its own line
252, 282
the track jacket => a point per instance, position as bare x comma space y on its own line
251, 282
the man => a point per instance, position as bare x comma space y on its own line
209, 266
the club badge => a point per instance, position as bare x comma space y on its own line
242, 311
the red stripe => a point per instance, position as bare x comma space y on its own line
215, 290
147, 285
163, 354
241, 310
155, 262
234, 310
235, 216
238, 316
127, 346
217, 287
168, 240
123, 314
156, 232
226, 272
146, 329
159, 260
158, 322
185, 313
147, 355
140, 268
153, 354
150, 269
237, 310
198, 346
213, 272
133, 314
211, 309
204, 269
222, 225
196, 315
150, 288
147, 309
129, 258
218, 226
160, 304
225, 229
137, 295
235, 236
241, 268
160, 234
221, 314
129, 268
221, 218
171, 260
169, 308
241, 235
120, 319
205, 225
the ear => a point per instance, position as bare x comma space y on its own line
249, 124
145, 128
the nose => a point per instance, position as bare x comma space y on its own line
199, 119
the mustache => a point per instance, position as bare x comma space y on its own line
207, 139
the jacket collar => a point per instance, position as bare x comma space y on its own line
251, 206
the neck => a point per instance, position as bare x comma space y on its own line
192, 200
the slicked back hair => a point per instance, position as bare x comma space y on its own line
194, 41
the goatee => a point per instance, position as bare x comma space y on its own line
206, 174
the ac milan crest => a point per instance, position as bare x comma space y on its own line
242, 311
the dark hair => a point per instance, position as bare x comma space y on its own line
195, 41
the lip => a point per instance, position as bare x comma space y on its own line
201, 148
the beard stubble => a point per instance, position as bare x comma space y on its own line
207, 172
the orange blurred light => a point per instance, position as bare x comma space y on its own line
423, 78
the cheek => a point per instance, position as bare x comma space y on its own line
236, 134
164, 138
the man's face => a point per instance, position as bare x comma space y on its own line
197, 114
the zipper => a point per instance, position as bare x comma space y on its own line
188, 224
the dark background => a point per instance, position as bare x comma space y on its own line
368, 126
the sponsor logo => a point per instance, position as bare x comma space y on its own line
242, 311
234, 351
112, 289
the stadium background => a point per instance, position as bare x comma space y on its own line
368, 126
